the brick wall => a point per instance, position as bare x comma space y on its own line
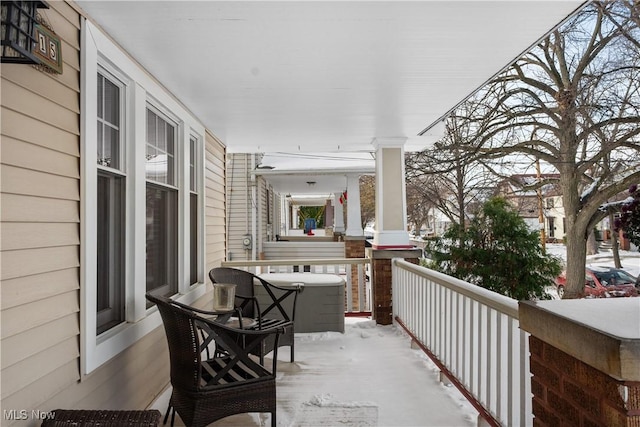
568, 392
382, 289
382, 309
354, 248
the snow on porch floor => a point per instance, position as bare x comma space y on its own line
368, 376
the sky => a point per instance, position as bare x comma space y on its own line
370, 376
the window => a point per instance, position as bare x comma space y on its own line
141, 200
161, 206
550, 203
111, 185
194, 254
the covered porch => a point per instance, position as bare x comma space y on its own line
457, 355
247, 78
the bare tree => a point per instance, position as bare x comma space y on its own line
573, 102
419, 204
367, 199
449, 179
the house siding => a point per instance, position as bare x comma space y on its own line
243, 204
215, 205
239, 205
40, 214
40, 248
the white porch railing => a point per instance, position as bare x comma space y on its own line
473, 335
345, 267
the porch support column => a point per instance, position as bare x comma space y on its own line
354, 216
286, 221
390, 238
391, 201
294, 216
338, 214
354, 240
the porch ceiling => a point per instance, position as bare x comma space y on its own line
324, 76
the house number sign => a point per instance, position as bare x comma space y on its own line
48, 48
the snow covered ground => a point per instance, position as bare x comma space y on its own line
368, 376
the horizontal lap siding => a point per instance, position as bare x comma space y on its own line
40, 214
215, 227
239, 209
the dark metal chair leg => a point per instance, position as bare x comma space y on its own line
166, 416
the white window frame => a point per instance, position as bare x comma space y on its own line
139, 90
177, 183
186, 177
118, 80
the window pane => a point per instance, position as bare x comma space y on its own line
151, 164
108, 123
100, 96
193, 236
168, 169
111, 251
160, 160
170, 138
110, 154
100, 144
115, 147
162, 236
111, 103
151, 127
192, 164
161, 136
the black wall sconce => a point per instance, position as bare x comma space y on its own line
19, 18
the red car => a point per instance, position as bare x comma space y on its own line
603, 282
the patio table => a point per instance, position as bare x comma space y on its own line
320, 305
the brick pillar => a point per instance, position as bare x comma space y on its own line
381, 268
381, 289
354, 248
584, 374
567, 391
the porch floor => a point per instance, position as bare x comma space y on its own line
368, 376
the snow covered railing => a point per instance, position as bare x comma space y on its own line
473, 335
353, 270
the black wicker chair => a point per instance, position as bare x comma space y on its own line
280, 311
208, 389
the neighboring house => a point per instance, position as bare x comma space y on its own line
519, 190
89, 223
253, 208
257, 213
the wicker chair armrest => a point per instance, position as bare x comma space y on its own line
254, 332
